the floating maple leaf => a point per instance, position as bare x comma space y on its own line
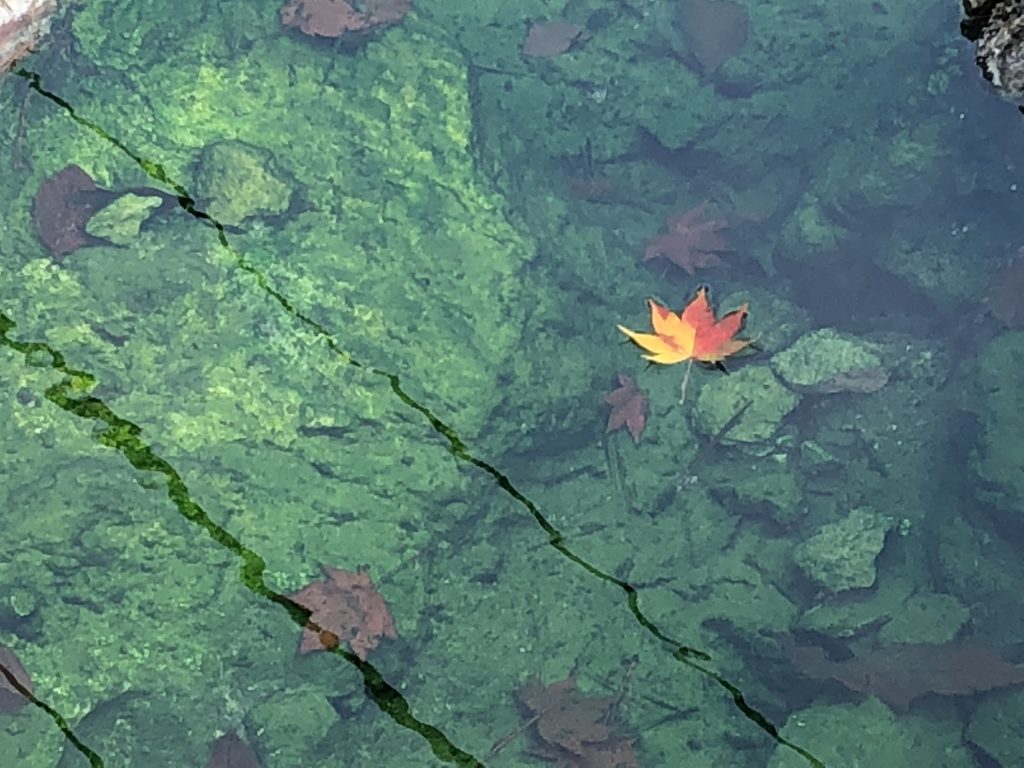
346, 608
692, 241
901, 673
629, 408
693, 334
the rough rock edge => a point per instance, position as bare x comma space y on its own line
22, 24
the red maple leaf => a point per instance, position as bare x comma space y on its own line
692, 241
346, 608
714, 338
693, 334
629, 408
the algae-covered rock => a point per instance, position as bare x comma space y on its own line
762, 487
29, 740
927, 617
290, 724
1000, 454
869, 735
841, 555
122, 730
810, 230
944, 269
995, 727
120, 221
774, 322
234, 182
847, 614
746, 407
905, 617
829, 361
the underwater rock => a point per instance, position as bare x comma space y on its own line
893, 610
826, 361
995, 728
747, 406
847, 615
925, 617
235, 183
998, 457
772, 491
120, 221
997, 29
841, 555
869, 734
22, 24
289, 721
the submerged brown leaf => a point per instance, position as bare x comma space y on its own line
11, 699
629, 408
346, 608
62, 207
573, 729
229, 751
547, 39
1006, 293
714, 30
899, 674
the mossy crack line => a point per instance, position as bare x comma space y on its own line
685, 654
61, 722
124, 436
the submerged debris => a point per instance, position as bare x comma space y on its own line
547, 39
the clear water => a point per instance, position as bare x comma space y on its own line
353, 304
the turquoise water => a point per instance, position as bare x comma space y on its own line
306, 348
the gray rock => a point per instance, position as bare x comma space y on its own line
841, 555
829, 361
